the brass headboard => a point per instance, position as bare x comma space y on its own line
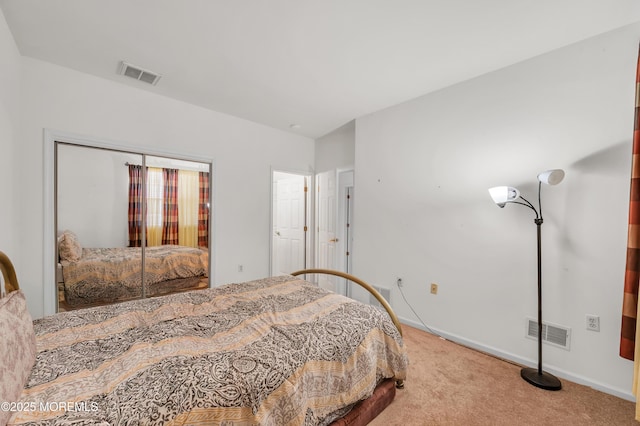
9, 274
361, 283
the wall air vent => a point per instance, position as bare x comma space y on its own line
552, 334
384, 292
138, 73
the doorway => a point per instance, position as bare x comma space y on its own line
345, 227
334, 236
290, 240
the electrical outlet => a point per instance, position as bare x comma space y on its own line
593, 322
434, 288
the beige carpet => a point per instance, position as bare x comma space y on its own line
448, 384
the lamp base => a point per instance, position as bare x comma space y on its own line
544, 381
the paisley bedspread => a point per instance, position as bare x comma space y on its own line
278, 351
113, 274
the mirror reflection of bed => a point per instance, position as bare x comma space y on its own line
96, 276
101, 255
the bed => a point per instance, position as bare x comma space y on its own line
275, 351
92, 276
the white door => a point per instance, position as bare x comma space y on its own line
289, 226
326, 239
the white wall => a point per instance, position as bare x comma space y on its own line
243, 153
93, 194
424, 213
336, 150
9, 116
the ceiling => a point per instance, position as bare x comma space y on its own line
315, 63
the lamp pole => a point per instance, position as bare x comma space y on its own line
501, 196
538, 223
537, 377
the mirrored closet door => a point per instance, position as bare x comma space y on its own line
128, 225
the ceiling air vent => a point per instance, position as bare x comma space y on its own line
138, 73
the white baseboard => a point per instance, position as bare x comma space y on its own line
563, 374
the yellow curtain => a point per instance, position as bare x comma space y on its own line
188, 183
155, 189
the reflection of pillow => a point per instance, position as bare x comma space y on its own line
69, 247
17, 348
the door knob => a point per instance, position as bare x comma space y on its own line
333, 240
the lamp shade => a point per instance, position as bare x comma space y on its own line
504, 194
551, 177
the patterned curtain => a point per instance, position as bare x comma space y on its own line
135, 206
170, 210
203, 210
628, 335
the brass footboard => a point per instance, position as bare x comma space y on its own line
8, 273
366, 286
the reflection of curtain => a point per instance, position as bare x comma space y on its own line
155, 191
188, 208
170, 210
628, 339
135, 206
203, 210
177, 207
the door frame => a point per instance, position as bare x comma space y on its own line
310, 208
345, 179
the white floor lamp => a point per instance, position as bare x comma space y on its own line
501, 196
